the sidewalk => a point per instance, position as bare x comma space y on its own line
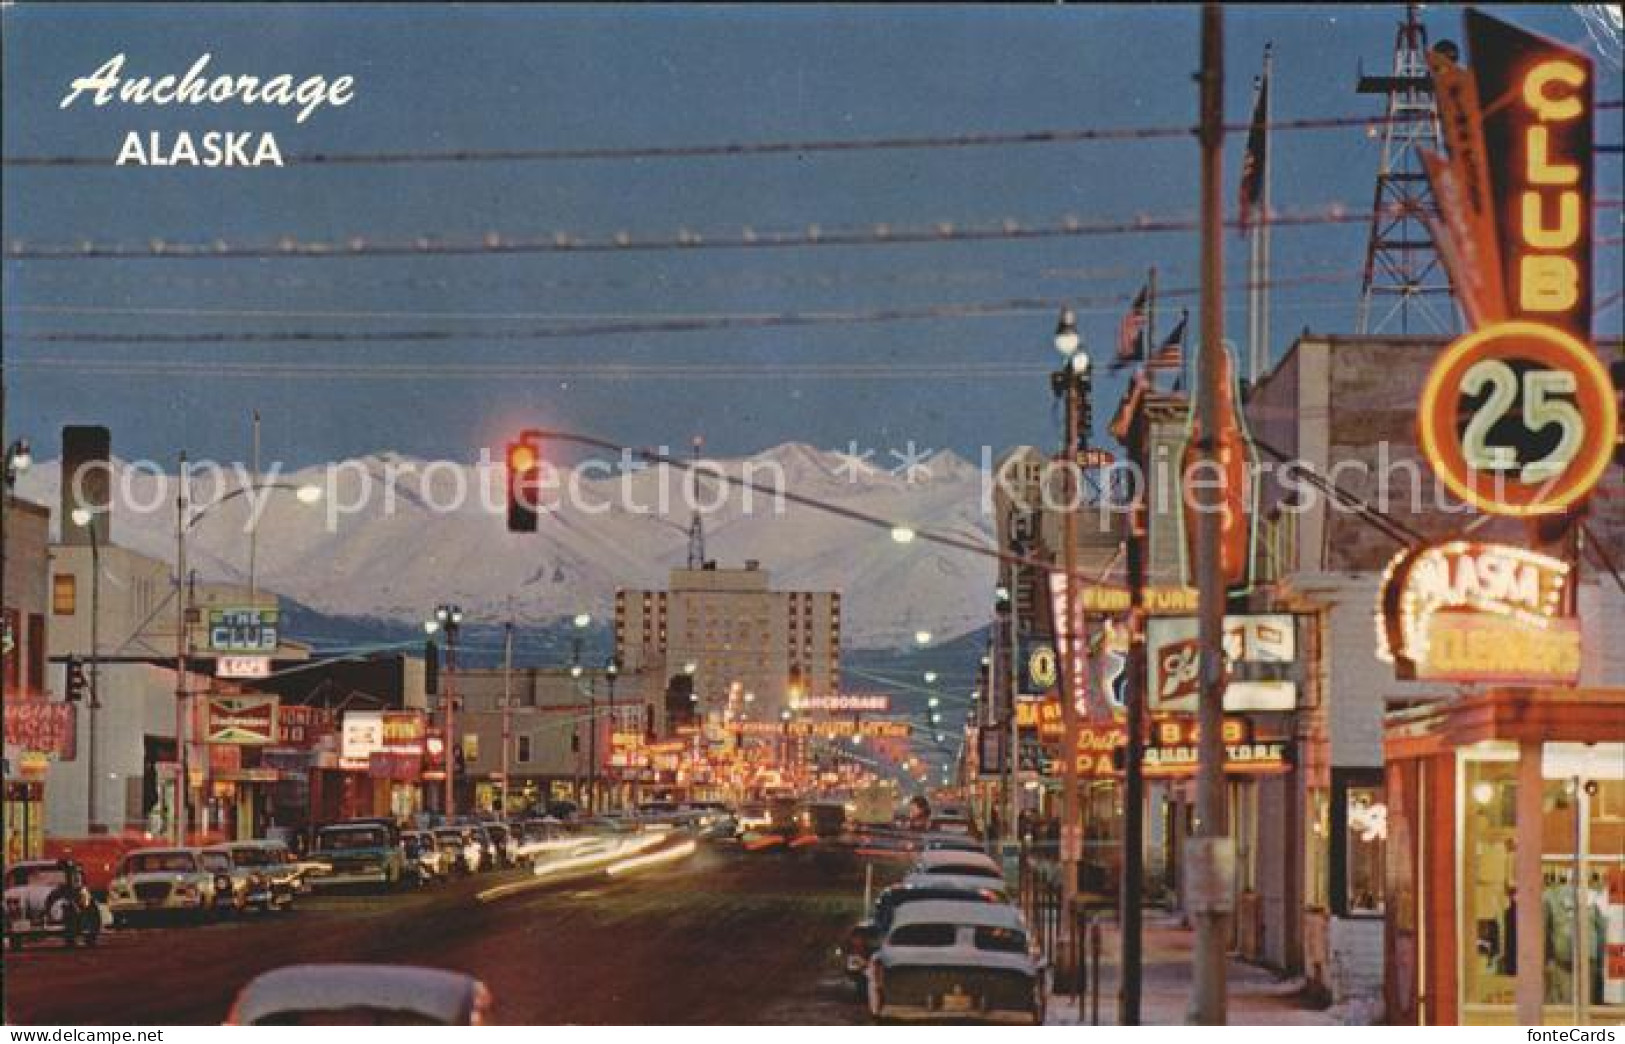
1257, 997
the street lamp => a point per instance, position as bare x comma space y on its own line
84, 518
922, 638
449, 618
19, 458
902, 534
612, 671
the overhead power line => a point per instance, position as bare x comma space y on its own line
492, 243
723, 150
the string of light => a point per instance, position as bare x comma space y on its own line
724, 150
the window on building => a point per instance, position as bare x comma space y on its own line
1365, 848
36, 652
524, 750
64, 594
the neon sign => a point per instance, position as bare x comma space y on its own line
1467, 611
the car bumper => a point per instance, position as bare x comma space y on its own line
912, 1013
173, 902
353, 877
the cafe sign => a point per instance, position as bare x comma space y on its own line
1465, 611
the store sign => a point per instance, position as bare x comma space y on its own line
849, 702
1260, 651
1174, 749
250, 630
41, 727
1042, 713
1097, 750
298, 726
1476, 612
399, 766
242, 720
242, 667
1106, 599
1519, 417
365, 733
1224, 486
1041, 666
1538, 124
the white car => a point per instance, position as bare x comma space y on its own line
47, 898
361, 995
959, 864
165, 880
957, 962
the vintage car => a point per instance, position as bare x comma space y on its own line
957, 962
951, 843
425, 860
254, 881
167, 880
865, 937
48, 898
505, 845
960, 864
289, 874
359, 852
459, 847
361, 995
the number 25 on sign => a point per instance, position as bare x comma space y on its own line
1518, 418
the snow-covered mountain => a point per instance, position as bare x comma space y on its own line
392, 537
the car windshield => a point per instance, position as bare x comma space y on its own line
964, 870
36, 875
161, 863
338, 839
1001, 940
249, 856
924, 935
217, 862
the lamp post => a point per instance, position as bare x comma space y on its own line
85, 519
186, 517
1072, 383
507, 709
449, 619
612, 671
581, 622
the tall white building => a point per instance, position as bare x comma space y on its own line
744, 645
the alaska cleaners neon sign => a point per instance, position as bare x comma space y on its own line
1467, 611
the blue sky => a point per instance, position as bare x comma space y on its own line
438, 78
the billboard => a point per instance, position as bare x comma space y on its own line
1260, 651
244, 630
242, 720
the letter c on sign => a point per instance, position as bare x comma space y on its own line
1555, 109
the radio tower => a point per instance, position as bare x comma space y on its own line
696, 528
1403, 270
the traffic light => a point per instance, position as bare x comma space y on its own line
524, 482
77, 685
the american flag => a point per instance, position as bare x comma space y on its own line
1254, 159
1131, 331
1170, 355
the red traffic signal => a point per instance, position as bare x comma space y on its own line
524, 464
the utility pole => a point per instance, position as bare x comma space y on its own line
1211, 860
507, 708
92, 792
1130, 896
254, 523
182, 696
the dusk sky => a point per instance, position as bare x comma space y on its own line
432, 79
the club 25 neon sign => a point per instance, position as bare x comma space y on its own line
1519, 416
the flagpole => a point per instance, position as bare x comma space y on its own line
1262, 276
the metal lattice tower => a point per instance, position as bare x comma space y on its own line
1405, 279
696, 527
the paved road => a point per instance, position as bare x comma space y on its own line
723, 937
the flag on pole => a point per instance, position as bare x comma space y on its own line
1131, 331
1253, 161
1170, 355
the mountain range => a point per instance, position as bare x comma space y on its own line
391, 537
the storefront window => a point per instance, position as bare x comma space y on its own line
1489, 818
1317, 850
1365, 846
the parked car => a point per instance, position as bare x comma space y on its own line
424, 858
953, 823
250, 869
460, 848
481, 835
504, 845
999, 888
361, 995
950, 843
165, 880
48, 898
359, 852
957, 961
289, 874
866, 936
958, 864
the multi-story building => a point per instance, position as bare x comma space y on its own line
747, 650
37, 725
